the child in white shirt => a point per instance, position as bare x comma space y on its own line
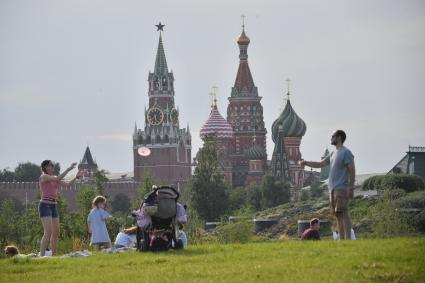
96, 224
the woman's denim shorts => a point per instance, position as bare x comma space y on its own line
47, 210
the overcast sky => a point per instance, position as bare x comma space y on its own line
75, 72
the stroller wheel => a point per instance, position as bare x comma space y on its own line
144, 246
179, 245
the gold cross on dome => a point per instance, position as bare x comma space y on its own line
288, 93
213, 96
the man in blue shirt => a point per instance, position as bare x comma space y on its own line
341, 181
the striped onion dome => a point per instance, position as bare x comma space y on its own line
216, 125
288, 122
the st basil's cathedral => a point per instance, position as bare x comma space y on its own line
241, 138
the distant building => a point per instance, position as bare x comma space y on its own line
412, 163
170, 146
88, 165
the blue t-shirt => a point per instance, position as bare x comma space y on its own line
338, 172
97, 218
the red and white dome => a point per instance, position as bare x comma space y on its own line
216, 125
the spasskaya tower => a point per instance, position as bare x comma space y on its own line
170, 145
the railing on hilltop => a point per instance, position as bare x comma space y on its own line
416, 148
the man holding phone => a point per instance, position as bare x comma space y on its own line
341, 181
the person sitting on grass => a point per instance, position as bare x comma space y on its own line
96, 224
126, 238
312, 233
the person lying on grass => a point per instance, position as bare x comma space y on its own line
126, 238
11, 250
312, 233
96, 224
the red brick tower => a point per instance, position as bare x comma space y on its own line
245, 115
170, 146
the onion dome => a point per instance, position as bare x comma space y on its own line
243, 38
255, 152
288, 122
216, 125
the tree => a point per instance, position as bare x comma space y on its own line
274, 192
85, 197
316, 191
254, 196
148, 181
100, 180
120, 202
237, 198
7, 176
27, 172
207, 187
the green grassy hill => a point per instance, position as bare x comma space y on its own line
391, 260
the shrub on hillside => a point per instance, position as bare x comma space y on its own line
373, 183
388, 220
419, 221
409, 183
416, 200
396, 193
237, 232
305, 195
194, 227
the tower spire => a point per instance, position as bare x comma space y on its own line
244, 81
160, 61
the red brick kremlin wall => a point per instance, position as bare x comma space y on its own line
30, 191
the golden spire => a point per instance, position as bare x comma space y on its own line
243, 39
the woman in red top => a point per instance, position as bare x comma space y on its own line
49, 186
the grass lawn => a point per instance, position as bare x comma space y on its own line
392, 260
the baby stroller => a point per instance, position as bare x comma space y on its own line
158, 220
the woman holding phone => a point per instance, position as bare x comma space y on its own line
47, 209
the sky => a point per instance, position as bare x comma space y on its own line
74, 73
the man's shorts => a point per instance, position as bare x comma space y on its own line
47, 210
339, 200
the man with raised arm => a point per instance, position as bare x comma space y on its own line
341, 181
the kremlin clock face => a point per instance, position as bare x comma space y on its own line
155, 116
174, 116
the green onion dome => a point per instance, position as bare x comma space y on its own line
288, 122
255, 152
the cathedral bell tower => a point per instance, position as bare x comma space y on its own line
245, 115
170, 147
